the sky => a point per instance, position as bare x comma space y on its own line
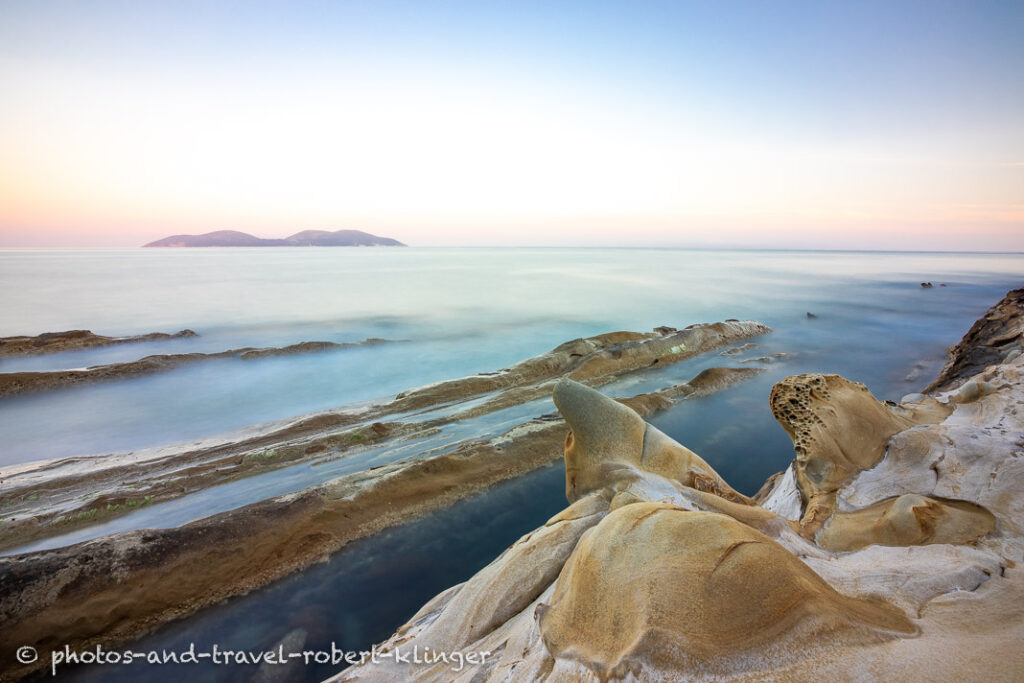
859, 125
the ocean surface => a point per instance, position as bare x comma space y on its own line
456, 312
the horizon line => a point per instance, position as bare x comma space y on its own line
535, 246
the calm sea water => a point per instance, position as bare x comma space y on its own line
461, 311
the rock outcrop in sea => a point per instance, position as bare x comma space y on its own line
73, 340
14, 383
889, 550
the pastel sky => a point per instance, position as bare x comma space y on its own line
866, 125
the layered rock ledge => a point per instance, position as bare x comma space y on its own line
114, 588
12, 383
74, 340
888, 550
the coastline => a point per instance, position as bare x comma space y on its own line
534, 445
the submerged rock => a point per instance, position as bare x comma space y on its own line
12, 383
739, 349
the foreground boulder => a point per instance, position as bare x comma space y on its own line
654, 588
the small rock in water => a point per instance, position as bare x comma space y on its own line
926, 285
811, 315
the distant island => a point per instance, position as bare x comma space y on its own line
306, 238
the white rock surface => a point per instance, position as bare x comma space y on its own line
784, 499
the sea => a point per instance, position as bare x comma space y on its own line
456, 312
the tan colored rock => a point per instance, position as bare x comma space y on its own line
910, 519
838, 429
655, 588
610, 443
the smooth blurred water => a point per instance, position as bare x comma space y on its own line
461, 310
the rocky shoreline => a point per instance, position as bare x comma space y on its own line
114, 588
75, 340
888, 550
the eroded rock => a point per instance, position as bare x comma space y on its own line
653, 588
147, 577
909, 519
609, 443
838, 429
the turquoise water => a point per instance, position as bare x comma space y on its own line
461, 310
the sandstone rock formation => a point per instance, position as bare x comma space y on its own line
654, 589
609, 441
889, 550
838, 429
